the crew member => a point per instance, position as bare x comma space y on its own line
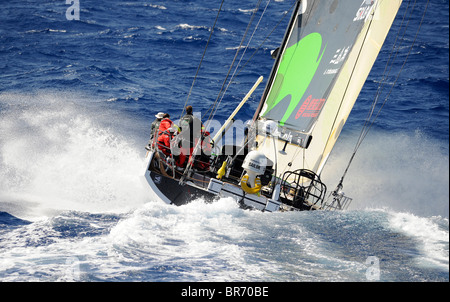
191, 127
192, 130
164, 135
154, 129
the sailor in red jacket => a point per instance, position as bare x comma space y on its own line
164, 135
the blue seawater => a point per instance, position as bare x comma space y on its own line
76, 101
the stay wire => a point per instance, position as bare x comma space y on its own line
395, 49
213, 106
203, 56
262, 43
383, 80
403, 65
240, 60
265, 39
348, 82
189, 165
390, 91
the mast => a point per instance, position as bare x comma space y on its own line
277, 59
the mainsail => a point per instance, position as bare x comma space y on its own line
326, 55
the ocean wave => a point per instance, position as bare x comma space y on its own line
431, 234
76, 105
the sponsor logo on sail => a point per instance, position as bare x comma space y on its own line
340, 55
310, 107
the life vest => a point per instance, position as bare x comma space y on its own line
164, 126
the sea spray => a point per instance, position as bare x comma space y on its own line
58, 154
402, 172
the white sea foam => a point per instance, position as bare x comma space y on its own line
162, 7
432, 235
186, 26
57, 156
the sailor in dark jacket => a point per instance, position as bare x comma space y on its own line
192, 130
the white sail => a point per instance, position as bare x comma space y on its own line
325, 58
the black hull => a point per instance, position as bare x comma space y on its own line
178, 194
166, 185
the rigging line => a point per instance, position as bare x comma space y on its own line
368, 123
242, 56
401, 69
203, 56
384, 78
190, 163
351, 76
392, 86
297, 151
295, 18
363, 131
232, 63
265, 39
